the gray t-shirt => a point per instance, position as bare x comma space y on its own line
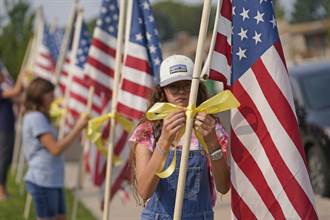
44, 168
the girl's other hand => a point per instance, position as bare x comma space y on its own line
82, 121
171, 126
205, 125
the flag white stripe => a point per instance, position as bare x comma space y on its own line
252, 144
281, 139
224, 27
220, 64
136, 50
100, 77
278, 72
105, 38
104, 58
248, 194
133, 101
131, 75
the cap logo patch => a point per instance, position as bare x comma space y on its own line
178, 68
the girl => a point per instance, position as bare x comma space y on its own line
154, 143
45, 175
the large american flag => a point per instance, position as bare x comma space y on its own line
99, 72
140, 71
47, 53
268, 168
142, 59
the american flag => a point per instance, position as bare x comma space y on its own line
47, 53
78, 95
140, 71
99, 72
142, 59
268, 168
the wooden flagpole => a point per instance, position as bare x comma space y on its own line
192, 102
206, 68
80, 164
65, 42
18, 136
118, 68
73, 59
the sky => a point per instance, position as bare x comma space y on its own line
58, 10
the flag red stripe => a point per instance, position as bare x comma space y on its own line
83, 100
64, 73
239, 207
278, 103
222, 46
240, 155
138, 64
99, 88
47, 56
136, 89
80, 81
47, 68
121, 143
279, 49
215, 75
226, 9
129, 112
100, 66
103, 47
288, 181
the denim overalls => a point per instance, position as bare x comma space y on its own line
197, 203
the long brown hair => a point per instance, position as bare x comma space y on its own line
158, 95
34, 95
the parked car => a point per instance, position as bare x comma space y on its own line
311, 90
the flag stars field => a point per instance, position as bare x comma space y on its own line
259, 17
245, 14
257, 37
243, 34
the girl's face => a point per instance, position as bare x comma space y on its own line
47, 99
178, 92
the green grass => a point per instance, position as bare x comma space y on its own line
13, 208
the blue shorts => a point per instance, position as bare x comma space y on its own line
49, 202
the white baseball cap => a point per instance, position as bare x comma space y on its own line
175, 68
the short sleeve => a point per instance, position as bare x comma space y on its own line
39, 124
143, 134
222, 136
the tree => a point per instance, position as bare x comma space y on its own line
279, 12
310, 10
16, 30
172, 17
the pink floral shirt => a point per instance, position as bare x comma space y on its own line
143, 134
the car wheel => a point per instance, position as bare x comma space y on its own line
319, 166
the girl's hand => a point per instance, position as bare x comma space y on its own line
82, 121
205, 125
171, 126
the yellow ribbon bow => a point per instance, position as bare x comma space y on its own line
223, 101
94, 133
56, 110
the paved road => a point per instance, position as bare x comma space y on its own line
130, 210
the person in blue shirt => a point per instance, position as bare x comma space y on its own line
43, 151
7, 130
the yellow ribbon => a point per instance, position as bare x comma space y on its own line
223, 101
94, 133
56, 110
